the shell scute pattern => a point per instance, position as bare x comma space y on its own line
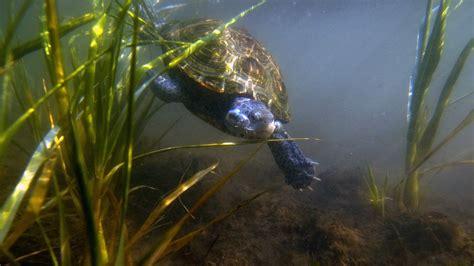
234, 64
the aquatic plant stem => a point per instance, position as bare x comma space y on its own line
427, 60
120, 260
73, 155
70, 25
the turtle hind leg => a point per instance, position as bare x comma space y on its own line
165, 88
298, 169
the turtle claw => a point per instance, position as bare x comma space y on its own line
300, 174
317, 178
313, 162
308, 187
306, 173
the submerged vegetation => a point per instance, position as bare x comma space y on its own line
423, 127
85, 122
78, 126
377, 194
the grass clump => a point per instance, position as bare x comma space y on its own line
377, 194
85, 125
422, 129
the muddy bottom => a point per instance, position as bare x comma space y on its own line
332, 225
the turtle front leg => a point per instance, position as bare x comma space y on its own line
298, 169
165, 88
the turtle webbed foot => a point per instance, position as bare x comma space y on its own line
300, 173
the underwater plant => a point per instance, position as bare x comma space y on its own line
422, 129
377, 194
84, 125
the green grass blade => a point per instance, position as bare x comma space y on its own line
215, 145
114, 169
64, 235
54, 57
10, 207
384, 194
40, 189
159, 250
25, 221
120, 260
374, 196
73, 150
419, 85
91, 110
210, 37
370, 181
430, 132
8, 134
48, 243
6, 62
462, 97
112, 122
167, 201
102, 242
423, 72
11, 30
423, 35
205, 145
468, 119
36, 199
377, 195
25, 99
115, 139
5, 102
431, 55
158, 60
82, 176
183, 241
442, 166
197, 44
28, 47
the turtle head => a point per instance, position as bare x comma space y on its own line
250, 119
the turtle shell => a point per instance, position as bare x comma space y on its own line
233, 64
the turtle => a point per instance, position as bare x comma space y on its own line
234, 84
